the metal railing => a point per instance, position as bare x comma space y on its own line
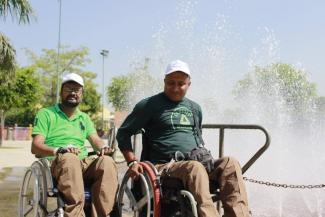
223, 127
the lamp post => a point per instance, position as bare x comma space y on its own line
58, 55
104, 53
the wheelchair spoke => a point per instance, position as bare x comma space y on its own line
28, 211
130, 197
142, 202
129, 202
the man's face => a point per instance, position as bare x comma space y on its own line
176, 85
71, 94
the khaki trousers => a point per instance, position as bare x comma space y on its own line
99, 172
227, 174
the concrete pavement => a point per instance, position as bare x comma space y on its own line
16, 154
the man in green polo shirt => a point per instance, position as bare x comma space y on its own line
59, 134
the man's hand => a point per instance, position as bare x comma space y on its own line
106, 150
134, 169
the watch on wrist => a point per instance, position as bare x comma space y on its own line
61, 151
131, 163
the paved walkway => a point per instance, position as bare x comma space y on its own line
16, 154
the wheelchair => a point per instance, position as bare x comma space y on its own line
37, 187
155, 196
39, 196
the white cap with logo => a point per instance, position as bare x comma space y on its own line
177, 66
73, 77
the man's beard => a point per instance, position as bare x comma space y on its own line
70, 103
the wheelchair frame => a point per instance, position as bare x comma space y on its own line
149, 203
37, 186
127, 201
39, 175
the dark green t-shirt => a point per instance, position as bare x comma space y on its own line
168, 125
59, 130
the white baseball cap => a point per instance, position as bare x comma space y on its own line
177, 65
73, 77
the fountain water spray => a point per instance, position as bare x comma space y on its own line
296, 152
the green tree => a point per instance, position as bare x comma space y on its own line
71, 60
7, 60
280, 83
21, 117
91, 100
21, 10
126, 90
21, 95
117, 92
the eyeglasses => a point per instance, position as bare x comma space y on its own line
73, 90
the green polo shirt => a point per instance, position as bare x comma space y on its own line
59, 130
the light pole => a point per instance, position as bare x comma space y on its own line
58, 55
104, 53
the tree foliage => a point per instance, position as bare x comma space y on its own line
21, 95
117, 92
91, 99
7, 60
125, 91
21, 117
19, 9
280, 84
22, 10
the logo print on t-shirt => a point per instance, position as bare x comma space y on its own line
184, 120
180, 118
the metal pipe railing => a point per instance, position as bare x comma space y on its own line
222, 128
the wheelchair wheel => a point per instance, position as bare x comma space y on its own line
176, 201
134, 198
187, 204
33, 192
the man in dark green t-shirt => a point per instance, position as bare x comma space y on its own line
168, 120
59, 134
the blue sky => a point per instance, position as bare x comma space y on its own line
223, 36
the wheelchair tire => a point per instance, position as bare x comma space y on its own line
130, 201
33, 192
154, 184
